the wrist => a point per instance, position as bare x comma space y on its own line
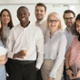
67, 68
14, 56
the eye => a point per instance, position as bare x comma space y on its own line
51, 21
70, 18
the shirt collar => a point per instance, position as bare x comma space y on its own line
39, 23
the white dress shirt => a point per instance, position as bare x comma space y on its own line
42, 26
54, 49
29, 38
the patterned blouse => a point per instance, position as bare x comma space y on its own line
75, 52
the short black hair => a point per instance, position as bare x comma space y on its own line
41, 4
68, 11
21, 7
74, 31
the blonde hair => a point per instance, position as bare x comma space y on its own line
58, 18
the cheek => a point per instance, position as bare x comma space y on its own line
57, 25
78, 29
0, 25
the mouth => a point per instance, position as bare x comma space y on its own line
23, 19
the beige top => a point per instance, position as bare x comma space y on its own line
6, 31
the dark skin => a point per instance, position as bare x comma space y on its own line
22, 15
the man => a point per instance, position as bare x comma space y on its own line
69, 18
40, 12
22, 43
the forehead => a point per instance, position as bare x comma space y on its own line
21, 10
40, 8
5, 12
78, 22
52, 17
68, 15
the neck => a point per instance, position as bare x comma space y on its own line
52, 32
69, 29
39, 20
5, 25
25, 24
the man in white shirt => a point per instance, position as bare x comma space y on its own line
69, 18
40, 12
23, 58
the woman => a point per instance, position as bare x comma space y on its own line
54, 49
2, 61
73, 53
7, 24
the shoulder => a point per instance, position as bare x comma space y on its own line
35, 28
74, 39
62, 36
61, 33
15, 28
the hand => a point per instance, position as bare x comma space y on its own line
51, 78
71, 74
20, 54
3, 59
78, 74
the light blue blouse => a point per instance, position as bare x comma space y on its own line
2, 68
55, 49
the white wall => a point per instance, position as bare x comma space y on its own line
36, 1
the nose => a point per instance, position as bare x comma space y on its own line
22, 15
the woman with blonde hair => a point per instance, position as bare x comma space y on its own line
54, 49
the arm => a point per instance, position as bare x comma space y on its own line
69, 72
10, 44
67, 58
60, 56
3, 59
40, 50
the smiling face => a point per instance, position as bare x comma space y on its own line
69, 19
23, 15
5, 18
78, 26
40, 12
53, 23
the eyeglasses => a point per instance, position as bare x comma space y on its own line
70, 18
51, 21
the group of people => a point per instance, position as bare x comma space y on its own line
40, 50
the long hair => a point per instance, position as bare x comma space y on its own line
10, 24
